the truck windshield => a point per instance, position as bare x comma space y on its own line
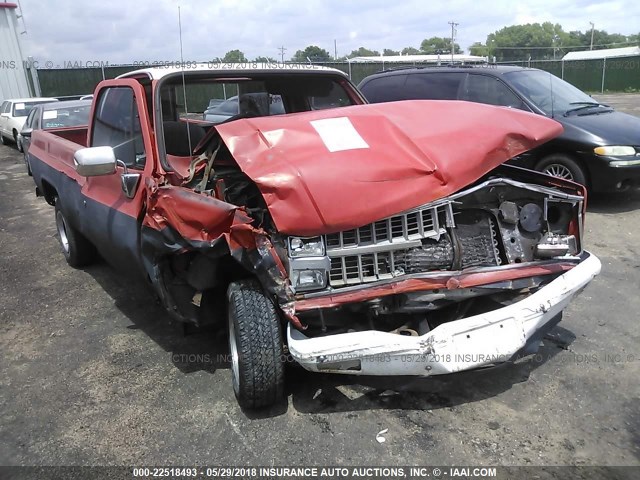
216, 100
537, 86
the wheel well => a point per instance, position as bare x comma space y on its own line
15, 134
49, 192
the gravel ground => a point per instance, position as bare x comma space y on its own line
93, 373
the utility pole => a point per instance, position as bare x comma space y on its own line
282, 50
453, 36
335, 49
592, 25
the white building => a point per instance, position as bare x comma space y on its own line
13, 74
442, 59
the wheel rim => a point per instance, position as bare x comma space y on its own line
558, 170
235, 361
62, 231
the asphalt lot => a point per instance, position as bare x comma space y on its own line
92, 372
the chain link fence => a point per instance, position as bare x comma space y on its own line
602, 75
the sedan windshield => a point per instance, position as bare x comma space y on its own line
549, 93
23, 109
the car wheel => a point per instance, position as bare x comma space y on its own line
18, 142
77, 250
256, 346
562, 166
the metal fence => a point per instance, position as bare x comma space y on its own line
613, 74
599, 75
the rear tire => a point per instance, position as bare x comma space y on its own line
562, 166
77, 250
256, 346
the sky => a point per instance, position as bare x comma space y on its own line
127, 31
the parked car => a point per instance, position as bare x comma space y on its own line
359, 240
55, 115
256, 103
599, 147
13, 114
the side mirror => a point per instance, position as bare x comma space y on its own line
95, 161
26, 132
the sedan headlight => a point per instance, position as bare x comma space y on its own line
615, 151
306, 247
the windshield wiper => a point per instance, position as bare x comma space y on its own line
583, 106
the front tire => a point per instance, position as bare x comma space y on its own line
562, 166
16, 139
77, 250
256, 346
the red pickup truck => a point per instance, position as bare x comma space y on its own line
382, 239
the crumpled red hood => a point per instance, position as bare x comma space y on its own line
337, 169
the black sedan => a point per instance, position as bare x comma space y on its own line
600, 147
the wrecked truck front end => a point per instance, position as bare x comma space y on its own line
413, 253
468, 281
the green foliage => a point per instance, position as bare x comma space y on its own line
545, 41
313, 53
410, 51
387, 52
363, 52
265, 60
479, 49
234, 56
438, 45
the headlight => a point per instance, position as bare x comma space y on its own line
308, 264
306, 247
302, 280
615, 151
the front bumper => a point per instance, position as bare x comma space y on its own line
472, 342
607, 178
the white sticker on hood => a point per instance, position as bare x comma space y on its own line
339, 134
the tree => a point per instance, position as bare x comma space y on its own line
437, 45
313, 53
364, 52
410, 51
479, 49
234, 56
387, 52
265, 60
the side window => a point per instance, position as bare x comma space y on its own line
117, 124
336, 97
29, 122
389, 88
490, 90
434, 86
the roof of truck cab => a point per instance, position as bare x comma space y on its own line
156, 73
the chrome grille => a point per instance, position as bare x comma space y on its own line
376, 251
